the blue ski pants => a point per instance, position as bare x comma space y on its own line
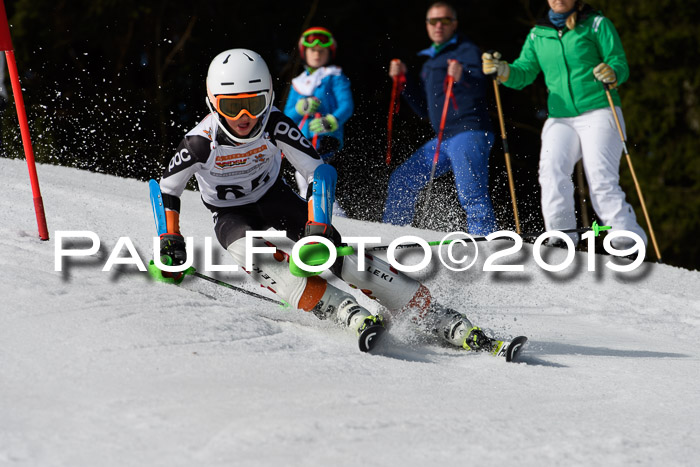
467, 154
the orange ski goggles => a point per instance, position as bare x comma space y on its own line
233, 106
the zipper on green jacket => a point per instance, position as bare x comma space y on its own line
568, 71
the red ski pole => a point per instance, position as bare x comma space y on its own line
398, 82
448, 94
303, 120
390, 121
314, 141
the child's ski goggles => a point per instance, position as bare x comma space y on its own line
317, 38
233, 106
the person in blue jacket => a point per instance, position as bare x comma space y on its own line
320, 99
468, 134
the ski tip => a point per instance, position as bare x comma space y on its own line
515, 347
370, 336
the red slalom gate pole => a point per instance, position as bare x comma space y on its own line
6, 45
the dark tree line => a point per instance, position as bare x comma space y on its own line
112, 85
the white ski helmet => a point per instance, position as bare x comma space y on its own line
238, 82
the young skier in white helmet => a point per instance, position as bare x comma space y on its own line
235, 154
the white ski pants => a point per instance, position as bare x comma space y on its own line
594, 137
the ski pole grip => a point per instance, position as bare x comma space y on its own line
394, 61
311, 254
493, 75
344, 250
400, 74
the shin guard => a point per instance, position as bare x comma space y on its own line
380, 281
406, 297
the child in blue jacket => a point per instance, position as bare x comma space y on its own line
320, 100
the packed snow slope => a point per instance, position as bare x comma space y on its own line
112, 369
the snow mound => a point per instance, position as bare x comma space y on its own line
111, 368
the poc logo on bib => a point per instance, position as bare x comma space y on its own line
179, 158
283, 128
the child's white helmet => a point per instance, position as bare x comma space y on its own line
238, 82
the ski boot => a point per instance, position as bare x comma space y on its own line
369, 332
368, 327
348, 313
456, 329
477, 341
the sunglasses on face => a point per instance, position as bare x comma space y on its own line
319, 38
445, 21
235, 106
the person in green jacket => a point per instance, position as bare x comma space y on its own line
577, 49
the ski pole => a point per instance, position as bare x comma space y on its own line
634, 176
319, 253
390, 120
595, 228
450, 82
159, 215
303, 120
157, 275
506, 151
396, 89
314, 141
448, 93
301, 125
237, 289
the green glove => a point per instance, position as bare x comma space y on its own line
327, 124
307, 105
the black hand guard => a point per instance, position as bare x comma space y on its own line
173, 246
